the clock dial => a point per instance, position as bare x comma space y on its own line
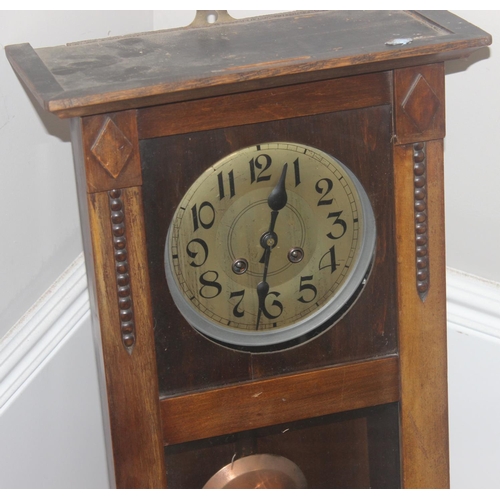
269, 245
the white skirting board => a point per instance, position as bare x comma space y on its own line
51, 426
473, 380
35, 337
51, 430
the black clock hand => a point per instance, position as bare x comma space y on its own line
277, 200
262, 291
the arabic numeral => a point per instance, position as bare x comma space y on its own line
323, 187
307, 286
192, 250
340, 223
236, 312
203, 216
210, 287
262, 163
220, 180
328, 260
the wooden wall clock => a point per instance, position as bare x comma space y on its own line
262, 204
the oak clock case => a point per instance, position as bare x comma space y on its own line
269, 246
264, 245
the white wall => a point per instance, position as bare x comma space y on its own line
472, 176
51, 431
473, 376
40, 238
39, 224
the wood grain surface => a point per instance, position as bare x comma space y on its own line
277, 400
130, 392
422, 327
154, 68
266, 105
353, 449
419, 103
131, 377
112, 151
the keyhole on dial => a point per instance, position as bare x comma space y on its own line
295, 255
240, 266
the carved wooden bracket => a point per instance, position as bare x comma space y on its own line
112, 151
419, 104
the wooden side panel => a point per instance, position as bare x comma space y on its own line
115, 249
127, 339
78, 157
422, 314
277, 400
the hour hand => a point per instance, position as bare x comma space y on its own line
276, 200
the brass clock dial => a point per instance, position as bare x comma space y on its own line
269, 245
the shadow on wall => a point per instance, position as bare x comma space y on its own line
459, 65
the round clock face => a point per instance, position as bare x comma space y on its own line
269, 246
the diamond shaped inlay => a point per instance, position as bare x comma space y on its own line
112, 148
421, 116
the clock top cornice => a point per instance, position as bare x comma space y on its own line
189, 63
